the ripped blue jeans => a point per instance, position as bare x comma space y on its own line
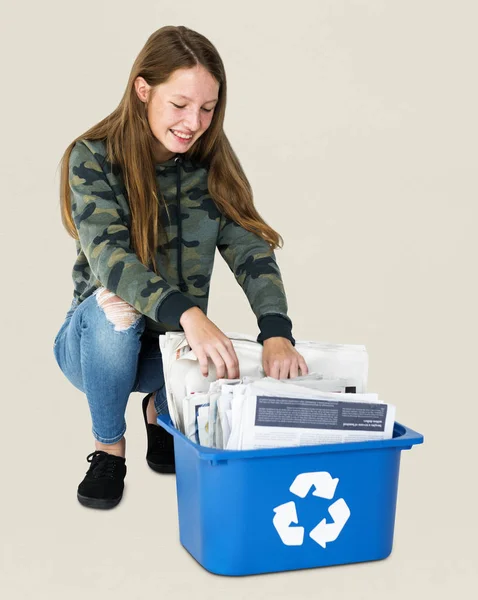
108, 360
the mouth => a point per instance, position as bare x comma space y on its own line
180, 139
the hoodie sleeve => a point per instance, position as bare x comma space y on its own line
104, 237
254, 265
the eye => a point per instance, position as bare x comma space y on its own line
204, 109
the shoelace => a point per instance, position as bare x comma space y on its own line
159, 439
102, 465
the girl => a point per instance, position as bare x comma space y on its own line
148, 194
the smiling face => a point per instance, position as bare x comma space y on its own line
185, 104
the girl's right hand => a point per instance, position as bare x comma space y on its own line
207, 340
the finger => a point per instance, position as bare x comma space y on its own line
285, 368
218, 362
236, 362
230, 358
303, 366
294, 369
275, 369
203, 362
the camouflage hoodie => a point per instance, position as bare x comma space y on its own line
102, 217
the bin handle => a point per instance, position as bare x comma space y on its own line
408, 435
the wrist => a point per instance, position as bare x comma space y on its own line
187, 314
275, 326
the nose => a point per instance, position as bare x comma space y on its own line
192, 122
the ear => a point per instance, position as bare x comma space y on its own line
142, 89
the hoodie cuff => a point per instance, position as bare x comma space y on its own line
275, 326
170, 310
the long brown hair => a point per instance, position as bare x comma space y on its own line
129, 144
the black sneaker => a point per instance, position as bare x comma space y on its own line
160, 452
104, 482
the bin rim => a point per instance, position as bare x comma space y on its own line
404, 438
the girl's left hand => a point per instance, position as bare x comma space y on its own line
280, 359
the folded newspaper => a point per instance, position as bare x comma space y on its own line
328, 405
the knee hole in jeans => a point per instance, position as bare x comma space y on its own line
117, 311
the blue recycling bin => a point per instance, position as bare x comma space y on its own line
261, 511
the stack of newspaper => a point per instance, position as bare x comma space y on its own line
328, 405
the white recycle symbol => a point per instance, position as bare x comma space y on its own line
324, 532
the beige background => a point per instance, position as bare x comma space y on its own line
356, 125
